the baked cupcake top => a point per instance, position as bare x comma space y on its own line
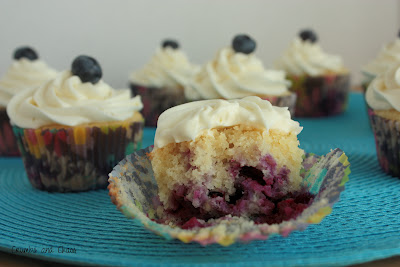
389, 54
169, 67
26, 71
74, 97
384, 91
186, 122
236, 72
305, 56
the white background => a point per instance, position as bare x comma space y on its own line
123, 34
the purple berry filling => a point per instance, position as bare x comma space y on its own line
259, 196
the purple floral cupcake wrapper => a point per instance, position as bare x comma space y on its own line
387, 141
76, 158
134, 191
8, 142
320, 96
156, 101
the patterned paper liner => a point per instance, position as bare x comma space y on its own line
76, 158
288, 100
320, 96
387, 142
8, 143
133, 187
156, 101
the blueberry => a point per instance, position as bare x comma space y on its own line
87, 69
170, 43
308, 35
25, 52
243, 44
398, 35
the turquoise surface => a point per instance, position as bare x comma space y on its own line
86, 228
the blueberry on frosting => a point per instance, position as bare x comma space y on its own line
243, 44
87, 69
170, 43
308, 35
25, 52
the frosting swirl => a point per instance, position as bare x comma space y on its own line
235, 75
388, 55
67, 101
307, 58
384, 91
167, 68
186, 122
22, 74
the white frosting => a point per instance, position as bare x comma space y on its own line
167, 68
307, 58
384, 91
186, 122
23, 74
235, 75
389, 55
67, 101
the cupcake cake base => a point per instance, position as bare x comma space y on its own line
78, 158
8, 142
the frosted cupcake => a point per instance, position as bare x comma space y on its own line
26, 71
214, 158
320, 80
162, 80
383, 99
389, 55
236, 72
73, 129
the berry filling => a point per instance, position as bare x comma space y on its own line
258, 195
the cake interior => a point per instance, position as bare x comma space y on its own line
230, 171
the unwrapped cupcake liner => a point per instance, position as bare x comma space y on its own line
133, 190
288, 100
320, 96
76, 158
8, 142
387, 142
156, 101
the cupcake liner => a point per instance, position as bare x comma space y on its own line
76, 158
288, 100
156, 101
8, 142
134, 191
387, 142
320, 96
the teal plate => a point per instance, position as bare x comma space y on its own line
86, 228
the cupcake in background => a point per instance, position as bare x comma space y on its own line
162, 80
320, 80
389, 55
383, 98
73, 129
236, 72
26, 71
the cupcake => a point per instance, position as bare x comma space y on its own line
389, 55
236, 72
215, 158
73, 129
26, 71
320, 80
383, 98
162, 80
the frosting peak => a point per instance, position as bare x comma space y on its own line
308, 58
384, 91
168, 67
186, 122
23, 74
388, 55
67, 101
235, 75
